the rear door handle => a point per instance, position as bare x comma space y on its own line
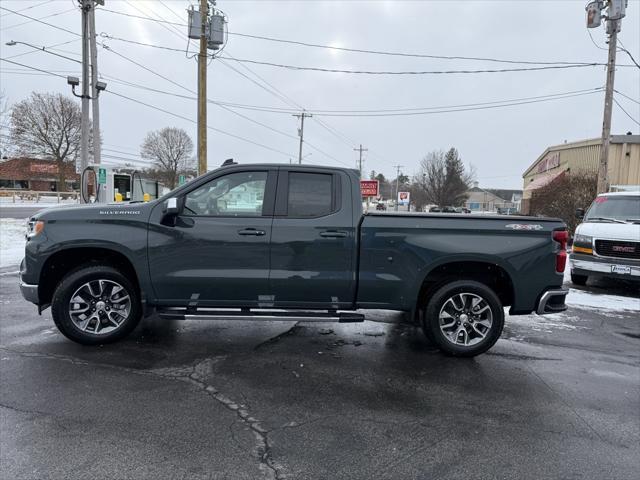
251, 231
333, 234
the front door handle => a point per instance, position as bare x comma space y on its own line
333, 234
252, 232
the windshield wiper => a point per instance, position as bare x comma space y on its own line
607, 219
633, 220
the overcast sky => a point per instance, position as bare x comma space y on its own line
499, 142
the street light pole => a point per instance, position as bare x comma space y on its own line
86, 5
95, 102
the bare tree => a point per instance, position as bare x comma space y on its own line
441, 180
577, 191
47, 125
171, 151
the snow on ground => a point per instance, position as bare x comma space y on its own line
598, 301
7, 203
12, 241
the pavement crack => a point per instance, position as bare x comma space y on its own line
24, 410
193, 374
277, 338
271, 469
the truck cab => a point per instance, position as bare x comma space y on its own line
607, 242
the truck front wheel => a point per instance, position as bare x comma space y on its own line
95, 305
464, 318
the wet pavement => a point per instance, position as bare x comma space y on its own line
557, 397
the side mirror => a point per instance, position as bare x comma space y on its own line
173, 207
579, 213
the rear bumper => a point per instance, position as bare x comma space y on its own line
552, 301
29, 292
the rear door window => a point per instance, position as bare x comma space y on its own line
310, 195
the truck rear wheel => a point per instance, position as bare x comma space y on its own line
95, 305
464, 318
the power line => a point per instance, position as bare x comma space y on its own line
624, 49
288, 155
414, 72
26, 8
193, 92
32, 68
38, 19
625, 112
626, 96
41, 21
358, 50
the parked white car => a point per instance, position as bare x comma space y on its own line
607, 242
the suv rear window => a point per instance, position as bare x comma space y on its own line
310, 194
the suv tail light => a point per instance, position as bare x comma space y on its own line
561, 236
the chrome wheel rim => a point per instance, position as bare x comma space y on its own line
99, 307
465, 319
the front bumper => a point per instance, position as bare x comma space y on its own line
29, 292
552, 301
604, 267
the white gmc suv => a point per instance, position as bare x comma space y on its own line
607, 242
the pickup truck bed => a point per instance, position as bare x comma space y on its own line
256, 237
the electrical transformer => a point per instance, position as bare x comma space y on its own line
216, 31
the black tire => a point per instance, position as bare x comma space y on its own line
469, 289
579, 279
68, 287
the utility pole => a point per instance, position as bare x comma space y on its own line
202, 89
397, 167
95, 103
301, 116
603, 166
616, 11
86, 6
360, 161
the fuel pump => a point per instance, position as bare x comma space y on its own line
103, 184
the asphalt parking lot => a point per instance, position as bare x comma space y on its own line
557, 397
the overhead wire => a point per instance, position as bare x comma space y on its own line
26, 8
111, 92
627, 96
624, 49
4, 29
367, 51
625, 112
42, 21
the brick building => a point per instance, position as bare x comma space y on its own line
36, 174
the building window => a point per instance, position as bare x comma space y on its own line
21, 184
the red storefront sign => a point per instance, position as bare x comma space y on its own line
369, 188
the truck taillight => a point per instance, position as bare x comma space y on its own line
561, 236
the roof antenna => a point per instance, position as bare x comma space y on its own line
229, 161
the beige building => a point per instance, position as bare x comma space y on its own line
583, 157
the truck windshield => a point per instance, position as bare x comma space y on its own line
614, 208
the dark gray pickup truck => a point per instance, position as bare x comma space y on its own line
288, 242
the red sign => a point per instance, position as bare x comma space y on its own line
369, 188
547, 163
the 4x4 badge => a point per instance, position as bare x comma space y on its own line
523, 226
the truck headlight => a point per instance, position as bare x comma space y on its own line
583, 244
34, 227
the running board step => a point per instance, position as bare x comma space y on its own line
245, 314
